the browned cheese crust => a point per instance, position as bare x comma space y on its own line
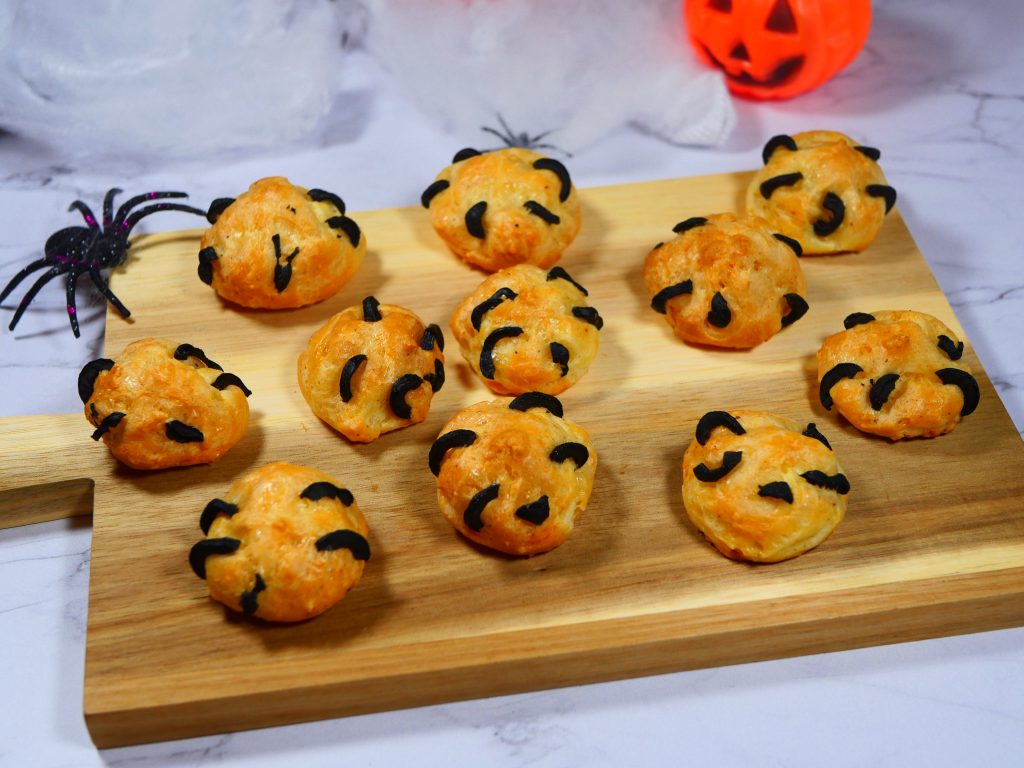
726, 281
766, 508
174, 414
397, 349
796, 191
512, 228
310, 261
505, 490
907, 385
556, 331
278, 531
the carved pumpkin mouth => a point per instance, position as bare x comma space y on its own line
784, 71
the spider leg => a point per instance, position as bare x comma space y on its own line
86, 212
550, 146
104, 288
128, 224
37, 264
126, 207
508, 129
132, 202
504, 139
31, 294
70, 283
108, 206
511, 139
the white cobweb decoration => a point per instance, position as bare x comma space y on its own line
577, 68
108, 79
188, 77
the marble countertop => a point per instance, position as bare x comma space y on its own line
938, 88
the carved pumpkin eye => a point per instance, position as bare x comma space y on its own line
722, 6
781, 19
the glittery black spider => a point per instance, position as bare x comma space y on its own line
77, 251
522, 140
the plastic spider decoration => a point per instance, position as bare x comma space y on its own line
523, 140
77, 251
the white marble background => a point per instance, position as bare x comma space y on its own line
938, 88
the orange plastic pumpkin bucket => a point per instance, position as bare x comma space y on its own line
776, 49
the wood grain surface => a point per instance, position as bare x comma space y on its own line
47, 473
933, 541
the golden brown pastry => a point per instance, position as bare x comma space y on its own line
163, 404
822, 189
372, 369
897, 374
759, 487
504, 207
279, 246
513, 476
285, 543
527, 330
726, 281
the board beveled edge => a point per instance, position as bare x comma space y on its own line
600, 651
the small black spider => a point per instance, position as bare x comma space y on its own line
75, 251
522, 140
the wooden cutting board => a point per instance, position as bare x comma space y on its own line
933, 542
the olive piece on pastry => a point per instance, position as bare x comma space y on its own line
526, 329
279, 246
504, 207
726, 281
898, 374
513, 476
822, 189
372, 368
761, 487
285, 543
163, 404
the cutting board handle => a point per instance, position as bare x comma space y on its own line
39, 482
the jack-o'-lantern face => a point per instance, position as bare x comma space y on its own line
778, 48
